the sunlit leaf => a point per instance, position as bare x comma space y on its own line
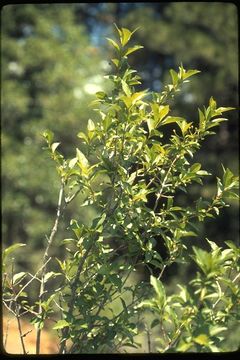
61, 324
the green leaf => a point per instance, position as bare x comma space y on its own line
203, 173
116, 62
11, 249
189, 73
18, 277
72, 162
100, 95
83, 136
223, 109
151, 124
174, 77
133, 49
147, 303
113, 43
184, 125
201, 339
48, 135
215, 122
138, 96
61, 324
195, 167
91, 129
163, 111
116, 280
49, 275
83, 162
126, 88
54, 146
205, 260
172, 119
227, 178
126, 36
99, 221
215, 330
159, 289
183, 347
202, 120
127, 101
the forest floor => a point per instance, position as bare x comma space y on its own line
13, 344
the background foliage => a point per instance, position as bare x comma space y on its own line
51, 67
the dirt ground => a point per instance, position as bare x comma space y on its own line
13, 344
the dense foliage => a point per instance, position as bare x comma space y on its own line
52, 57
128, 158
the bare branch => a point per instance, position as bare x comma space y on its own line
46, 258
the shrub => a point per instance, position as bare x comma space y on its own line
126, 159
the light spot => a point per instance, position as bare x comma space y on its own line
77, 93
15, 68
39, 199
27, 140
92, 88
188, 98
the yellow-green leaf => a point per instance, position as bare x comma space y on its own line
189, 73
222, 109
116, 62
127, 101
61, 324
159, 289
151, 124
82, 161
138, 96
83, 136
126, 88
202, 339
171, 119
11, 249
163, 111
113, 43
91, 128
184, 125
126, 35
174, 76
133, 49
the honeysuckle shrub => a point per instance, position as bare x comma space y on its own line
126, 157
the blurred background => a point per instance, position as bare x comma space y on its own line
54, 57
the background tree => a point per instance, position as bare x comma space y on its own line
49, 73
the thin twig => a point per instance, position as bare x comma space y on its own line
45, 260
33, 277
69, 199
164, 182
16, 312
236, 277
26, 333
161, 273
149, 340
21, 334
9, 308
